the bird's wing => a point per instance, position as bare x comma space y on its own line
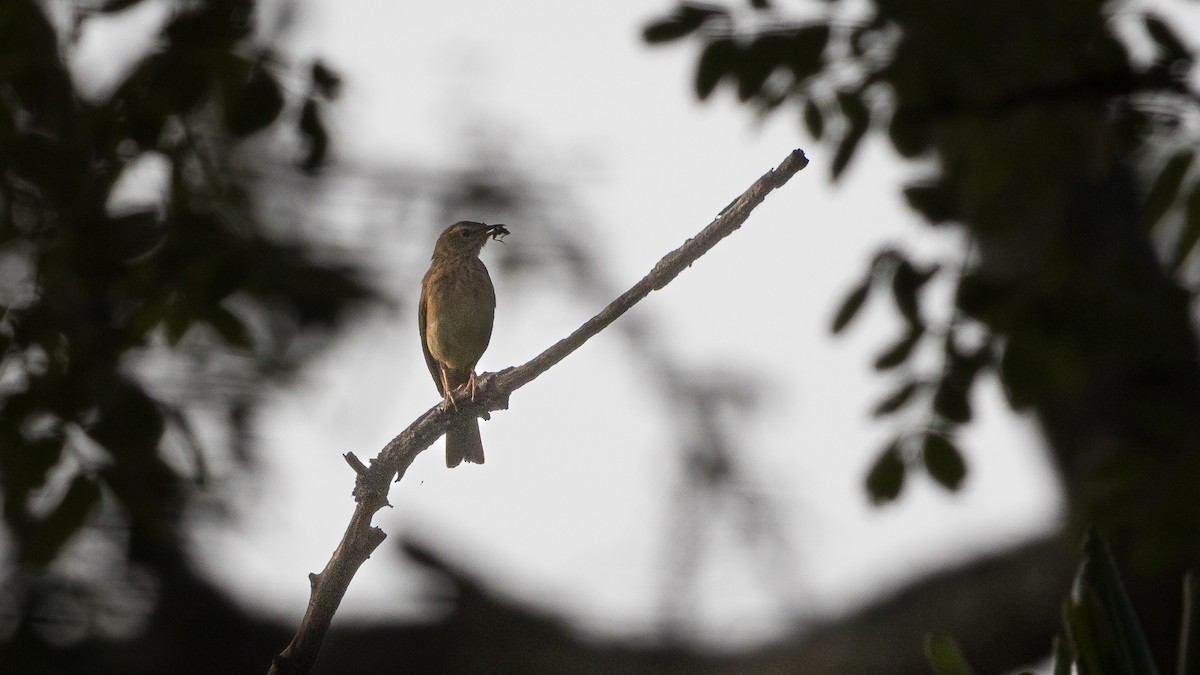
435, 368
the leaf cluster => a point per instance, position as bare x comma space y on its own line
964, 70
930, 445
87, 289
1103, 635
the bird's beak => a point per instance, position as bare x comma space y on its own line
497, 232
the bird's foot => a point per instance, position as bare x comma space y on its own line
448, 395
467, 389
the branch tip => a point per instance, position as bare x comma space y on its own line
355, 463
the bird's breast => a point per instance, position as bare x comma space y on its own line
460, 309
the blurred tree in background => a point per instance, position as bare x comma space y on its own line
1061, 138
97, 458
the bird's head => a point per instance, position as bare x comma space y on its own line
466, 238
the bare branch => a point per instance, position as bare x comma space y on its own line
371, 488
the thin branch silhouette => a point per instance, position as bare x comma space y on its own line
371, 487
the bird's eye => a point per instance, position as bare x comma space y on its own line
464, 233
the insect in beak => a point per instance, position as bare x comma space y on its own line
498, 232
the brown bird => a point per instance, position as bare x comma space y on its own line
455, 316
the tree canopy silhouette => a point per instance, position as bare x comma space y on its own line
94, 282
1066, 162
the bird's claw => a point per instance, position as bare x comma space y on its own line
470, 388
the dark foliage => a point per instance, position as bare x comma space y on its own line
89, 288
1068, 164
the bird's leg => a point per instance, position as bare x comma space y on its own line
446, 391
472, 385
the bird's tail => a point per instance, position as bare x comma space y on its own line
463, 443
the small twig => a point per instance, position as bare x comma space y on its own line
355, 463
371, 488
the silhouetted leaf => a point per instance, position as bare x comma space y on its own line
896, 400
186, 433
133, 235
143, 486
315, 296
211, 26
814, 121
804, 50
128, 422
252, 100
1166, 187
854, 108
1173, 49
935, 201
908, 132
50, 533
682, 22
716, 61
857, 120
26, 462
1190, 233
845, 151
8, 126
1189, 632
1063, 658
325, 80
176, 321
169, 82
952, 398
885, 260
312, 129
905, 284
850, 306
926, 273
943, 461
1019, 375
769, 100
951, 401
1086, 646
886, 477
117, 5
758, 60
857, 35
1100, 618
980, 298
899, 352
40, 159
228, 326
944, 655
666, 30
